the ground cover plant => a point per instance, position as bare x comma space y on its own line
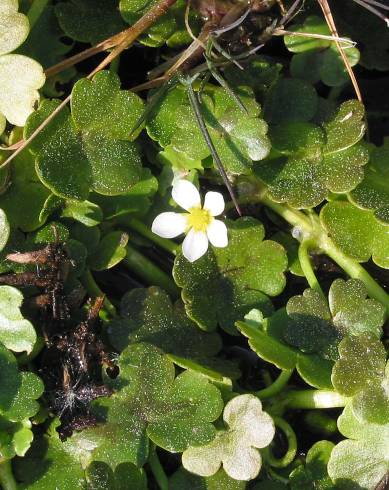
194, 245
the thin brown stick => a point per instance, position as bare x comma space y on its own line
87, 53
331, 24
132, 34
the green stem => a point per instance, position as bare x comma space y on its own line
35, 11
149, 272
355, 270
114, 66
310, 399
306, 265
145, 231
290, 454
157, 470
276, 386
7, 479
310, 228
92, 288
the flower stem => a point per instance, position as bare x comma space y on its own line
35, 11
306, 266
7, 479
92, 288
310, 228
145, 231
149, 272
290, 454
310, 399
157, 469
276, 386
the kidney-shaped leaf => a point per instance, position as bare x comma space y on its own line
20, 76
239, 137
361, 372
373, 191
357, 232
89, 149
150, 403
361, 461
16, 332
148, 315
226, 283
248, 429
315, 326
314, 161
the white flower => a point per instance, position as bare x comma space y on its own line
198, 223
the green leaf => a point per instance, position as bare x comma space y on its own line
290, 100
89, 21
25, 198
16, 333
89, 236
318, 59
226, 283
311, 161
136, 202
150, 403
4, 229
125, 477
259, 73
248, 429
92, 144
266, 339
183, 480
51, 463
110, 251
315, 326
170, 28
356, 232
239, 138
19, 393
369, 32
361, 461
291, 246
148, 315
361, 372
313, 474
85, 212
373, 191
10, 379
270, 348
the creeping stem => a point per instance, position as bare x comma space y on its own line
157, 469
145, 231
7, 479
35, 11
89, 283
290, 454
310, 399
277, 386
306, 265
149, 272
309, 227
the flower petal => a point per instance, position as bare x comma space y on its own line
195, 245
186, 195
217, 233
169, 225
214, 202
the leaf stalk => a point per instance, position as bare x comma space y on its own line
7, 479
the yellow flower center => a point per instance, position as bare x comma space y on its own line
199, 219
